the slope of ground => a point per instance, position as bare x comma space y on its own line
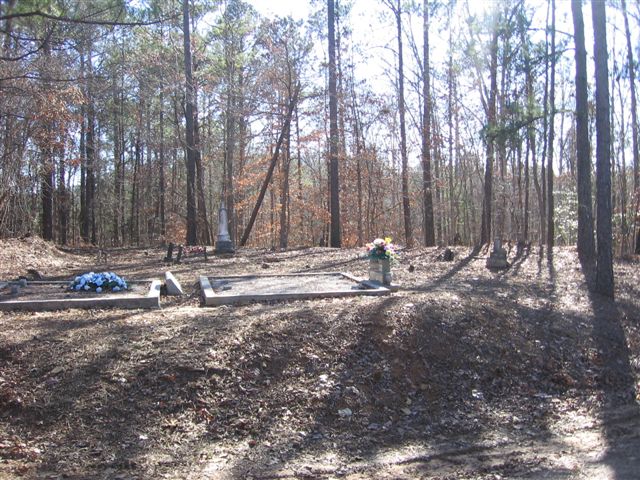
18, 256
463, 373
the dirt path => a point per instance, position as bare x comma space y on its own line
463, 373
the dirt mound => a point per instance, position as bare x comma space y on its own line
17, 255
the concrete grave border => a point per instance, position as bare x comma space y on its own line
108, 300
210, 298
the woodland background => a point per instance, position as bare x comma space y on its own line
127, 123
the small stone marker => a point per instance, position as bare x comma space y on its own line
169, 257
172, 284
223, 242
447, 255
498, 256
33, 274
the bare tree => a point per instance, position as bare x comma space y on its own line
551, 139
586, 245
429, 231
634, 118
192, 220
334, 172
396, 8
604, 265
487, 199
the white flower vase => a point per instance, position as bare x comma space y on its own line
380, 270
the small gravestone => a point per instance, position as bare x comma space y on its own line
447, 255
223, 242
169, 257
33, 274
172, 284
498, 257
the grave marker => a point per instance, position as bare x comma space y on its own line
169, 257
223, 242
498, 257
172, 284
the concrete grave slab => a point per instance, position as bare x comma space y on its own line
173, 285
293, 286
54, 295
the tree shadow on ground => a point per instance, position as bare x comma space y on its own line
616, 378
474, 387
437, 377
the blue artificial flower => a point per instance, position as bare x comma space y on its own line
98, 282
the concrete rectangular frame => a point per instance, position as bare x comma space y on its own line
219, 290
121, 300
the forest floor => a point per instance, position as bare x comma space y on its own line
462, 373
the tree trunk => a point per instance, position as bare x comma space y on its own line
406, 207
204, 230
63, 202
90, 182
624, 230
229, 133
334, 175
485, 232
453, 218
586, 245
134, 225
604, 265
634, 122
552, 114
118, 156
299, 196
359, 144
47, 172
427, 188
46, 193
530, 131
87, 229
192, 220
283, 239
161, 167
545, 135
272, 165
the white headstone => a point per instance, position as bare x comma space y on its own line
173, 285
223, 242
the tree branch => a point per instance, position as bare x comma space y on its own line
57, 18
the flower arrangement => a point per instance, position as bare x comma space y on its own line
194, 249
381, 249
98, 282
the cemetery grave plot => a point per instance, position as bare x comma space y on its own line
248, 288
55, 295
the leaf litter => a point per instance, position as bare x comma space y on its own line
463, 373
